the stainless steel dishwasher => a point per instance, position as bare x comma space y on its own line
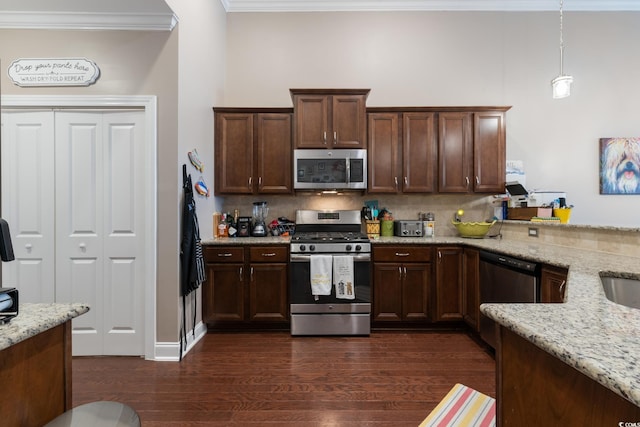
504, 279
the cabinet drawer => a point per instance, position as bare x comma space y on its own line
223, 253
402, 253
268, 254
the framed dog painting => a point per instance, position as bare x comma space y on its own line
619, 165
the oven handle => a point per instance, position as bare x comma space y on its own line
307, 258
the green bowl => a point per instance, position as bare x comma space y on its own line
473, 230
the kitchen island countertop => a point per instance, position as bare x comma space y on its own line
597, 337
34, 318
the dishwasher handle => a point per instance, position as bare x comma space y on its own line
514, 263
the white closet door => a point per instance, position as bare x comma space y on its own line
124, 225
28, 195
99, 228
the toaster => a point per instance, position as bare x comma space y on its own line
407, 228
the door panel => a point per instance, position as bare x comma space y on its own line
27, 201
123, 237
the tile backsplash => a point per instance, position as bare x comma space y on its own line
443, 206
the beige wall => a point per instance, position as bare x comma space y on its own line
131, 63
201, 79
464, 58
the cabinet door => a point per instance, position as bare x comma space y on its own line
387, 292
311, 121
415, 291
274, 153
553, 284
223, 294
489, 158
419, 153
449, 283
234, 153
348, 117
383, 153
454, 152
268, 292
471, 288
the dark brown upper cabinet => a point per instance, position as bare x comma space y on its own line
253, 151
330, 118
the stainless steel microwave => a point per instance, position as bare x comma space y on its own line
341, 169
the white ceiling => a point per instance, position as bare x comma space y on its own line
422, 5
156, 15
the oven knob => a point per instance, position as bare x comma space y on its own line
312, 248
348, 248
303, 248
358, 248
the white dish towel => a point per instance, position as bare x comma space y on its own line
343, 276
320, 272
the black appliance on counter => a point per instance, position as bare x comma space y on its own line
244, 226
329, 232
8, 296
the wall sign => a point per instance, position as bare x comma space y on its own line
53, 72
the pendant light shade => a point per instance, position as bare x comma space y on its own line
561, 85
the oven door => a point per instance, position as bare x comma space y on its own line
301, 297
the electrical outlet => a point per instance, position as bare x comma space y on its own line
533, 232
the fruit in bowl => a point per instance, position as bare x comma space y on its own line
473, 230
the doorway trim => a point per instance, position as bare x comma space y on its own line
149, 104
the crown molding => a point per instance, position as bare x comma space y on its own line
87, 21
426, 5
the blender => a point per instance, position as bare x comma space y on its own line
260, 212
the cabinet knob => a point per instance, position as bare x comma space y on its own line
477, 180
28, 247
466, 178
324, 138
335, 138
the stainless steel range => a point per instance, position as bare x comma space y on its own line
333, 236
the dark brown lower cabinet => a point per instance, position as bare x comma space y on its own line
471, 288
535, 388
448, 283
246, 287
553, 283
401, 283
268, 278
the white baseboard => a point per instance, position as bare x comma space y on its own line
170, 351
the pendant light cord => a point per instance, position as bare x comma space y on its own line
561, 42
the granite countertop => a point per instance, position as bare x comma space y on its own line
599, 338
33, 319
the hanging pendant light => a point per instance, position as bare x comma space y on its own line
561, 85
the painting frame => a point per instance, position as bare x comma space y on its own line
619, 165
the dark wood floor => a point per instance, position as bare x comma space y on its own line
273, 379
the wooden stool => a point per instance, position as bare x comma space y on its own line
98, 414
463, 407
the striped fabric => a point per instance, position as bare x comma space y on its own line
463, 407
